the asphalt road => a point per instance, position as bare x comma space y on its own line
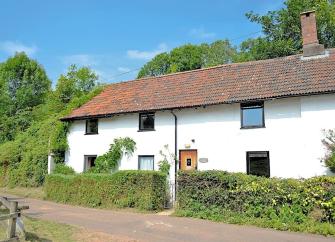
152, 227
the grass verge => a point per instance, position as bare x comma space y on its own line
309, 226
41, 230
31, 192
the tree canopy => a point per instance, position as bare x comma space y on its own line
282, 29
281, 37
23, 82
189, 57
29, 118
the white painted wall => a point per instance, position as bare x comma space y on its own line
292, 135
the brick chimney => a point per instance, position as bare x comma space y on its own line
311, 46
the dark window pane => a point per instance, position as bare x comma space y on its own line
258, 164
147, 121
91, 161
92, 126
189, 162
252, 116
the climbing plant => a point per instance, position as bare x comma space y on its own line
329, 142
109, 161
168, 158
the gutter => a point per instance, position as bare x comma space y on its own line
175, 153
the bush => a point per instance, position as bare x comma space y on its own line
144, 190
63, 169
287, 204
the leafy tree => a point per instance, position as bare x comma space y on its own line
217, 53
23, 86
23, 161
23, 82
189, 57
282, 29
76, 82
159, 65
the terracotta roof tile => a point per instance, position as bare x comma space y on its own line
240, 82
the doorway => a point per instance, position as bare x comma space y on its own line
188, 160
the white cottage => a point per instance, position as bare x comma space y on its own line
262, 117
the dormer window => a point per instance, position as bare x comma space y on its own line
252, 115
92, 126
147, 121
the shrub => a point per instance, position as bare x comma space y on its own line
63, 169
288, 204
144, 190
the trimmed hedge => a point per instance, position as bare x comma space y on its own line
286, 204
145, 190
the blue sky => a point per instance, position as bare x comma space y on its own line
113, 37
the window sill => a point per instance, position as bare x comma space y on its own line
145, 130
91, 133
253, 127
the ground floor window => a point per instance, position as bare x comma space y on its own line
258, 163
146, 162
89, 161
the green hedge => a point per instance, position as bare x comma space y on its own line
286, 204
144, 190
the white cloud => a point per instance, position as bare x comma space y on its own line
201, 33
11, 47
80, 59
123, 69
147, 55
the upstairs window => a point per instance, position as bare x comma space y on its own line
146, 162
92, 126
147, 121
258, 163
252, 115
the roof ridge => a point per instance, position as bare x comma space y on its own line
205, 69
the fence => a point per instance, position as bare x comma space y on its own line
12, 216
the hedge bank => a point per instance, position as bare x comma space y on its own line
286, 204
145, 190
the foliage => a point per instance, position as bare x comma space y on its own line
23, 85
329, 143
110, 160
75, 83
281, 37
135, 189
63, 169
282, 29
32, 133
287, 204
189, 57
168, 159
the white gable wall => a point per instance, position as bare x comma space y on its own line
292, 135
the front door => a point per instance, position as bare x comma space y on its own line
188, 160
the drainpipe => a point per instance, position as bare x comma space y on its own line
175, 153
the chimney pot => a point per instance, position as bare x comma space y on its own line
311, 46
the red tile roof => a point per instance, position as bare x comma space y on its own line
241, 82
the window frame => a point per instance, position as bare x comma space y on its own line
86, 160
141, 129
145, 156
249, 105
258, 152
86, 127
